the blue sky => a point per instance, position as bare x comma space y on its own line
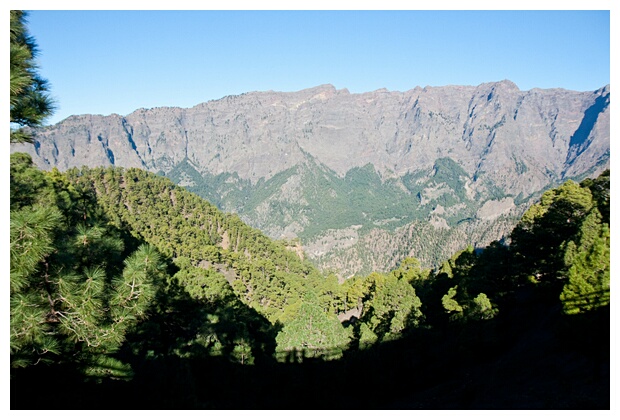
103, 62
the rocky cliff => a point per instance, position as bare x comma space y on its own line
358, 177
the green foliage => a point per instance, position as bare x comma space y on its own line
588, 285
600, 189
242, 353
367, 337
359, 198
31, 241
355, 290
187, 323
540, 237
460, 289
483, 307
560, 248
103, 366
410, 270
70, 299
26, 182
564, 241
313, 333
390, 307
450, 304
29, 100
263, 273
204, 284
449, 180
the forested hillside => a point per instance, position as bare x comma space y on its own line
120, 274
201, 239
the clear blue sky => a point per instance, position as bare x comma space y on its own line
103, 62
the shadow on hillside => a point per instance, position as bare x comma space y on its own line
531, 357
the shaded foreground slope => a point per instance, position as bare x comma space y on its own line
518, 326
553, 365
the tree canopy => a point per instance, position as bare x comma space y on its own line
75, 287
30, 99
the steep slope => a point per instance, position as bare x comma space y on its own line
264, 274
345, 172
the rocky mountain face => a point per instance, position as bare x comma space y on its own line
362, 179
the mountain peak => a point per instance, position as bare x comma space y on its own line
325, 88
507, 84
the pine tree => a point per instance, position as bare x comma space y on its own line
539, 238
30, 101
392, 306
450, 304
73, 295
312, 333
588, 262
483, 308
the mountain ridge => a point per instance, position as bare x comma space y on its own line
280, 159
133, 124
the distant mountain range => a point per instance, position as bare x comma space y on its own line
362, 179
